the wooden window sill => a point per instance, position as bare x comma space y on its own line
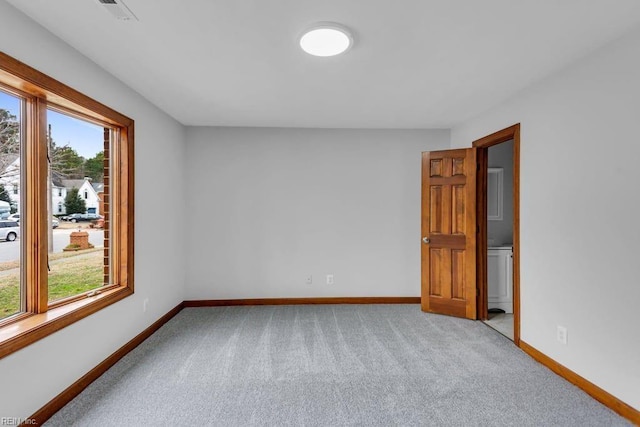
34, 327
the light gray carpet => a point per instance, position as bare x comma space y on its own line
329, 365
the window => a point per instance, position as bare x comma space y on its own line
53, 137
85, 265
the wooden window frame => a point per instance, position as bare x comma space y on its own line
38, 317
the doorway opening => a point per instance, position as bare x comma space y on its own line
498, 244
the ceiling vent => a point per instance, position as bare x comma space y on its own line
118, 9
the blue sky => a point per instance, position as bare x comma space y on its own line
10, 103
84, 137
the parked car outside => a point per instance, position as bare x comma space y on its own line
9, 230
78, 217
16, 217
73, 217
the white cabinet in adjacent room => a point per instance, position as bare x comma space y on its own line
500, 277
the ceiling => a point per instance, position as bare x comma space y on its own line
414, 64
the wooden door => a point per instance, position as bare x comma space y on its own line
449, 232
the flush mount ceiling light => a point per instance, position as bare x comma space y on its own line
326, 39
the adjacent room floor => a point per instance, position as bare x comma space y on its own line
329, 365
502, 323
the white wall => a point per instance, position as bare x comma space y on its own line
500, 231
269, 207
34, 375
580, 203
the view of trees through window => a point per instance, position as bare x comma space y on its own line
77, 204
10, 183
77, 201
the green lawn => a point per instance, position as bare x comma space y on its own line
9, 296
69, 276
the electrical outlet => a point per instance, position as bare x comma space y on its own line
145, 304
561, 334
329, 279
309, 280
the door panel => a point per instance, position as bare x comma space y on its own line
449, 227
435, 273
458, 210
457, 274
436, 209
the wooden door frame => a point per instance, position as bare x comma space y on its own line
483, 144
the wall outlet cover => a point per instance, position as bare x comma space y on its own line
561, 334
